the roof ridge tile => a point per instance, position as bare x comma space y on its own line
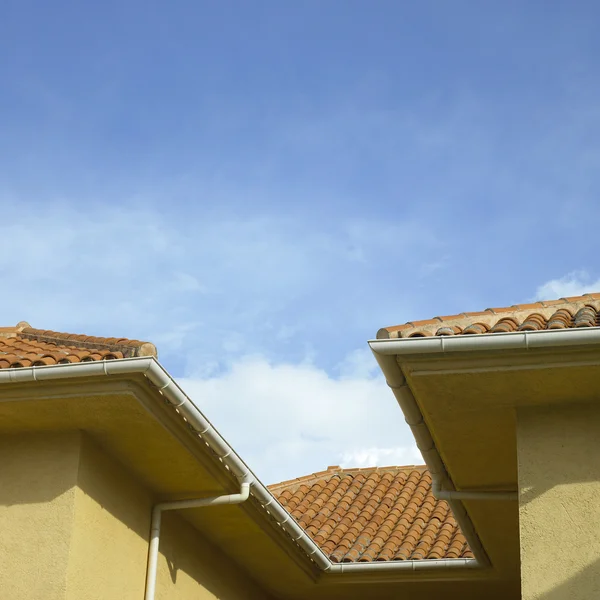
23, 346
489, 320
128, 347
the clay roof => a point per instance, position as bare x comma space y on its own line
565, 313
375, 514
24, 346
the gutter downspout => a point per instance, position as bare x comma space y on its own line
200, 426
157, 511
386, 351
414, 418
438, 492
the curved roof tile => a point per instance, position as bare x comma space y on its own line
377, 514
23, 346
565, 313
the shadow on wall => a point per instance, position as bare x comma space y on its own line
559, 474
186, 555
583, 585
187, 559
38, 468
575, 472
559, 447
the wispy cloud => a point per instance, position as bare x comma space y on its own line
287, 420
261, 221
359, 363
210, 286
395, 456
575, 283
184, 282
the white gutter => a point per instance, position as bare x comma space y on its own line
414, 418
179, 505
199, 424
386, 351
481, 342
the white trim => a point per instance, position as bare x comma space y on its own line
168, 387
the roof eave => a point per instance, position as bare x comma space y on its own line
482, 342
386, 352
207, 435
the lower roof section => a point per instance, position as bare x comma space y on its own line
378, 514
137, 414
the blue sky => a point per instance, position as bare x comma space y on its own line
258, 187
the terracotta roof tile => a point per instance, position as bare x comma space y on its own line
24, 346
376, 514
564, 313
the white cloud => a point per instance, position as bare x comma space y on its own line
221, 298
184, 282
575, 283
289, 420
396, 456
175, 338
359, 363
205, 290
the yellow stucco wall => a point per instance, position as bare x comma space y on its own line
110, 532
187, 560
559, 501
74, 526
110, 543
38, 473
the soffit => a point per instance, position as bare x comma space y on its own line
468, 402
129, 420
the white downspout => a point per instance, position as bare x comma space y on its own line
414, 418
385, 351
177, 399
438, 492
178, 505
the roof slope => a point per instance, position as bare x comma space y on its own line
565, 313
24, 346
376, 514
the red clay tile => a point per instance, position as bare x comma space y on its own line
504, 309
28, 346
505, 325
533, 322
552, 302
378, 514
475, 328
446, 330
564, 313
